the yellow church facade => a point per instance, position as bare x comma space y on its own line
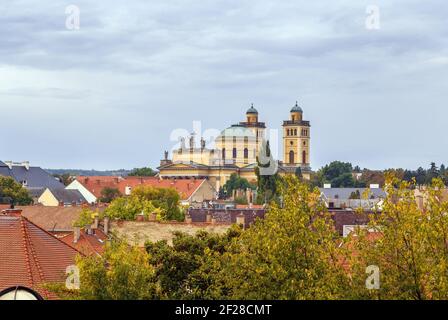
236, 150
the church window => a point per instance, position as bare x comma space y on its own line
224, 153
295, 132
234, 153
304, 157
246, 153
291, 157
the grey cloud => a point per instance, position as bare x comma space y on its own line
138, 69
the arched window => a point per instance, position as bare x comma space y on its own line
223, 153
304, 157
234, 153
291, 157
287, 132
246, 153
295, 132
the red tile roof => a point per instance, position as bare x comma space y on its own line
88, 244
54, 218
96, 184
30, 256
186, 187
246, 206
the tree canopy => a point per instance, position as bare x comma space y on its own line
293, 253
142, 172
237, 183
11, 191
164, 202
109, 194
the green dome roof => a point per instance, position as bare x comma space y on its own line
296, 108
252, 110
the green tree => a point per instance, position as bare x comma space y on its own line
338, 173
411, 246
291, 254
123, 272
142, 172
267, 184
235, 182
64, 178
164, 202
298, 173
432, 173
86, 218
109, 194
11, 191
181, 269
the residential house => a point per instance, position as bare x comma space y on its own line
61, 197
245, 217
90, 240
92, 186
30, 256
353, 198
190, 190
35, 179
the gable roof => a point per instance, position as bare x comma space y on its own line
68, 196
30, 256
88, 244
35, 177
344, 193
186, 187
53, 218
96, 184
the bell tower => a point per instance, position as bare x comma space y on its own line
296, 140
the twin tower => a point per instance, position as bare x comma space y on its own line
236, 150
296, 137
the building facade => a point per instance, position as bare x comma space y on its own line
236, 151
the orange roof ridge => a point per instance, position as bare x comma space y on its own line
25, 249
50, 234
31, 250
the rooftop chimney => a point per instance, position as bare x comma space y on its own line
12, 212
9, 164
96, 222
106, 225
241, 220
76, 234
26, 164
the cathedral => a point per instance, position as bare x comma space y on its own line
236, 150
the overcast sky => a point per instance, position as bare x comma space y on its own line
108, 95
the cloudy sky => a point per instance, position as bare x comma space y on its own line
109, 94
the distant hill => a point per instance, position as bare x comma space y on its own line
82, 172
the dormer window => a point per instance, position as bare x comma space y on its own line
24, 183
